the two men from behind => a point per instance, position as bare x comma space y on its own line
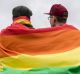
58, 17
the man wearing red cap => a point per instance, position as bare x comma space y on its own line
58, 16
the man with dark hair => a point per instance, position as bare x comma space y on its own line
21, 21
22, 15
58, 16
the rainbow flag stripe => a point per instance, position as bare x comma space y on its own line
40, 51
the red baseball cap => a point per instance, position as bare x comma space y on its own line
58, 10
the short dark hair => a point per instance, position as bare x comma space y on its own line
21, 11
62, 19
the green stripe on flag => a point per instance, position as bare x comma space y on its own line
44, 70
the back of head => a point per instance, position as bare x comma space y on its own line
21, 11
60, 12
21, 15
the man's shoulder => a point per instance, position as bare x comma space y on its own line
13, 28
69, 26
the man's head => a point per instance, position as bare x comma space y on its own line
58, 14
21, 11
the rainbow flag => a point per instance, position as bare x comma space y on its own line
40, 51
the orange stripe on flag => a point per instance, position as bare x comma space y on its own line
41, 43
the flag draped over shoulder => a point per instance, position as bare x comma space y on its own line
40, 51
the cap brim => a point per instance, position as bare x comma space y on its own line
47, 13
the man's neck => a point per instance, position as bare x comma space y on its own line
59, 24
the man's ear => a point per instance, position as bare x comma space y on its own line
55, 19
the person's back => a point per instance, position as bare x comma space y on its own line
25, 51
